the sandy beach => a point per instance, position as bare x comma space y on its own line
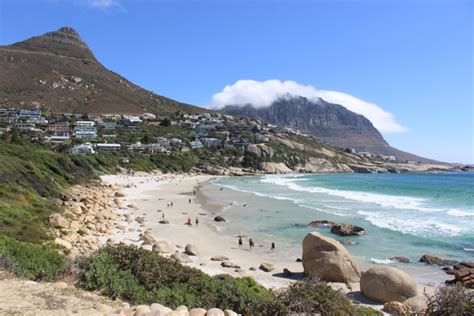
151, 196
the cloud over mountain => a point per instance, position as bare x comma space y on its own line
264, 93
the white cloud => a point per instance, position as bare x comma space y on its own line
264, 93
104, 4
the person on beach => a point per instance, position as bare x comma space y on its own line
189, 223
240, 242
273, 246
197, 221
194, 192
162, 214
251, 244
189, 201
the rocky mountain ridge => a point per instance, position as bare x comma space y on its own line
329, 122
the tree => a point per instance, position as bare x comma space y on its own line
166, 122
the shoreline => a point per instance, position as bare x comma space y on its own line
147, 195
146, 198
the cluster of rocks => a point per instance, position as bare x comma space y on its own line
160, 310
463, 273
88, 215
326, 259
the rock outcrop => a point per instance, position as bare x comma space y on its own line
326, 259
274, 167
463, 274
386, 284
429, 259
347, 230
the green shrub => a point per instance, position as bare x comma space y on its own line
451, 300
31, 261
306, 296
141, 276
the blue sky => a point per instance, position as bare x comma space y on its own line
413, 59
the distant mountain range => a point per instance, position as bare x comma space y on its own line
331, 123
57, 71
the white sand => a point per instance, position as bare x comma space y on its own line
152, 193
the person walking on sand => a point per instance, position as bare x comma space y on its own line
197, 221
251, 244
189, 201
240, 242
162, 214
273, 246
189, 223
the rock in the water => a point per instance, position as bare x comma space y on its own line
162, 247
321, 223
396, 308
267, 267
191, 250
164, 221
348, 242
219, 258
401, 259
299, 260
215, 312
253, 269
197, 312
386, 284
227, 264
347, 230
181, 257
58, 221
417, 304
429, 259
326, 259
219, 219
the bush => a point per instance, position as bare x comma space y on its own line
31, 261
451, 300
309, 296
141, 276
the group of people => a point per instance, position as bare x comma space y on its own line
189, 222
252, 244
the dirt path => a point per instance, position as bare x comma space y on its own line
23, 297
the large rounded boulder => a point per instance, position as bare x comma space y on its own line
387, 284
326, 259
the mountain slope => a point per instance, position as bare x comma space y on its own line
57, 71
331, 123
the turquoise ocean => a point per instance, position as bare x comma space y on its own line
402, 214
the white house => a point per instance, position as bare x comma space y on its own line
82, 149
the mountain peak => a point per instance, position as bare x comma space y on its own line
66, 41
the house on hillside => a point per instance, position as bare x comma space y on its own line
196, 144
82, 149
108, 147
210, 142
